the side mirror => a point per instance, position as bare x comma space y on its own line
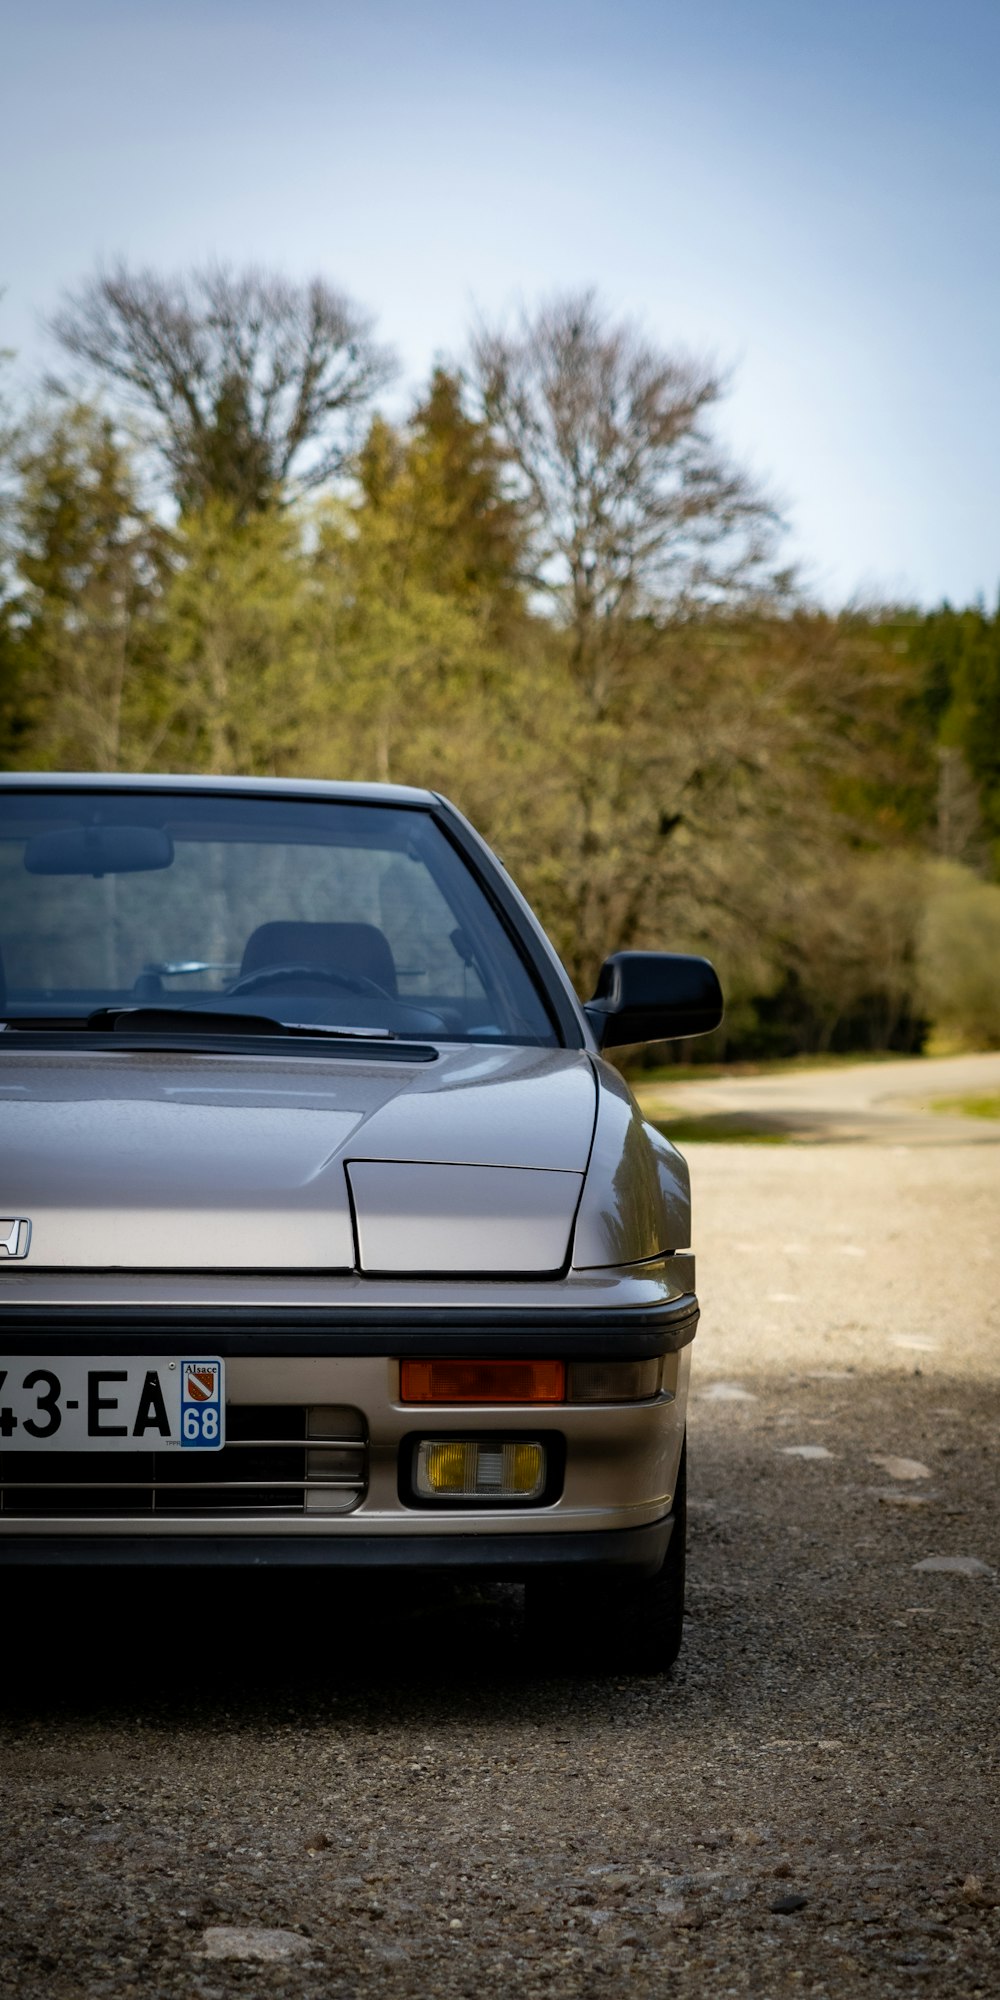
654, 996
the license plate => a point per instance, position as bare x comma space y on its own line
111, 1402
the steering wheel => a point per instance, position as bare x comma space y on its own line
275, 975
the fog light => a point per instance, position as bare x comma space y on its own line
479, 1469
482, 1381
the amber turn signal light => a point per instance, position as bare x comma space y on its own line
482, 1381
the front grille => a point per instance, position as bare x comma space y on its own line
278, 1459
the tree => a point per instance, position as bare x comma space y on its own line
248, 383
91, 562
653, 550
419, 576
399, 657
959, 955
958, 653
633, 507
13, 715
9, 436
241, 645
470, 531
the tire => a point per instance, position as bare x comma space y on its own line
616, 1627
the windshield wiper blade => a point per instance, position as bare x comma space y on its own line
215, 1021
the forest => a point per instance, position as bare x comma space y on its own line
544, 587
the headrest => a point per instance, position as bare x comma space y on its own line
361, 949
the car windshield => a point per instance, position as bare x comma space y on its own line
314, 913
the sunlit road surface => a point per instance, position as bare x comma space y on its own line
324, 1795
880, 1102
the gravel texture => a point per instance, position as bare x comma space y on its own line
269, 1789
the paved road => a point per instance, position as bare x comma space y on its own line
877, 1102
411, 1806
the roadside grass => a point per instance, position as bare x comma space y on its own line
970, 1107
706, 1072
727, 1128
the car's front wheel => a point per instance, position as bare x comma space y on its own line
620, 1627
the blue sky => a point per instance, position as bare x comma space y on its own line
809, 191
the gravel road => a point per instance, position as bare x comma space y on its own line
373, 1800
875, 1103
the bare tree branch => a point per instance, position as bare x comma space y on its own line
250, 382
635, 507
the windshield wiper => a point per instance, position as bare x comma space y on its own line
215, 1021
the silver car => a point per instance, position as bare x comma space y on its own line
327, 1237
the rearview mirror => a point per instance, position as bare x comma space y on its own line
654, 996
99, 850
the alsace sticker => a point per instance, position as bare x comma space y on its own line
201, 1405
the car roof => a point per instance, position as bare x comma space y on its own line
146, 781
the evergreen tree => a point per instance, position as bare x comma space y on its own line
81, 627
240, 644
421, 581
959, 656
472, 530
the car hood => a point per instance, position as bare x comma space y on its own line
125, 1160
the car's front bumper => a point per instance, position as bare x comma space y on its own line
509, 1557
616, 1462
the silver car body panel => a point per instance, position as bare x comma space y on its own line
637, 1200
181, 1162
634, 1290
415, 1218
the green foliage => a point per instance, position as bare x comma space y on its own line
239, 633
719, 1128
959, 957
80, 625
970, 1107
469, 534
417, 589
958, 653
